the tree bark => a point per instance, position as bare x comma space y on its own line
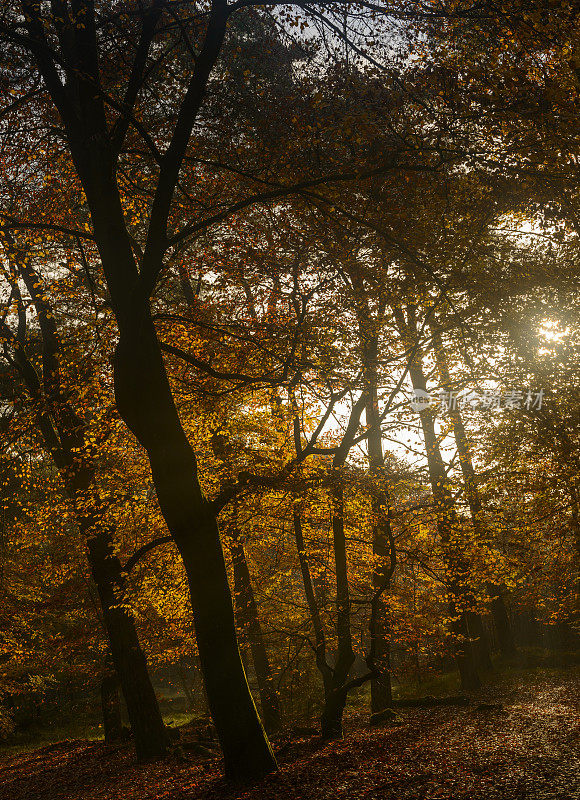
319, 634
335, 698
333, 678
501, 620
111, 708
187, 690
383, 544
381, 687
147, 725
331, 719
247, 753
250, 623
479, 641
575, 530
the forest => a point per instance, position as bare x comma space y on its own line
289, 399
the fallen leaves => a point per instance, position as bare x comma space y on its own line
531, 751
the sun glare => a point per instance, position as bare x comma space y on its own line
550, 331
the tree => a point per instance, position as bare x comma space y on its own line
460, 591
64, 435
79, 51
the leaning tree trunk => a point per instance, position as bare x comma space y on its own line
250, 623
447, 523
146, 404
142, 390
315, 617
147, 725
63, 435
333, 679
498, 608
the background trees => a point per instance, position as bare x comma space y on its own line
262, 239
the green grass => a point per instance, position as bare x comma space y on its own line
42, 734
176, 719
85, 725
445, 683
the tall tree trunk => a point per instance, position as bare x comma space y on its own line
145, 718
332, 713
250, 623
501, 621
145, 402
575, 530
333, 678
186, 688
447, 522
247, 752
381, 687
142, 389
63, 433
384, 553
480, 641
336, 685
335, 699
111, 708
317, 625
497, 602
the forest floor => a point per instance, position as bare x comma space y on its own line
527, 749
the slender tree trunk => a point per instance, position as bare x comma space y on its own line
145, 718
336, 686
147, 727
447, 522
497, 603
63, 435
382, 540
333, 679
381, 687
318, 627
111, 708
575, 529
335, 699
187, 691
250, 623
